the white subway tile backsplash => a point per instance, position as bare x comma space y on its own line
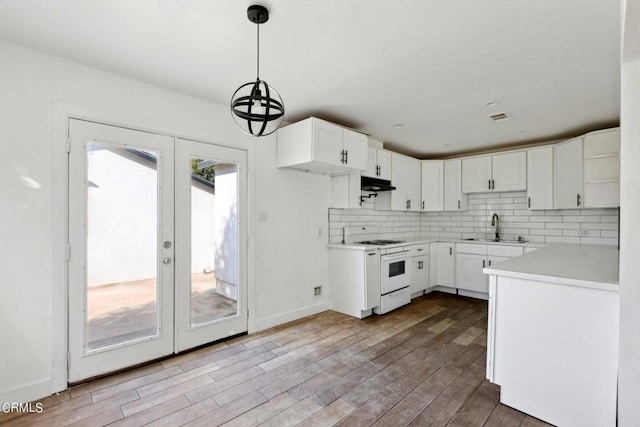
539, 226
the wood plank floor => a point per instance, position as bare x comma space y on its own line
420, 365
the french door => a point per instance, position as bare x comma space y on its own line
156, 263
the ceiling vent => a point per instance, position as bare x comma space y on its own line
500, 117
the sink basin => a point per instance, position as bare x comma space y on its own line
478, 239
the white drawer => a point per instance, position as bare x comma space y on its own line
393, 300
471, 248
509, 251
421, 249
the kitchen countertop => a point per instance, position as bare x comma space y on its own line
588, 266
418, 240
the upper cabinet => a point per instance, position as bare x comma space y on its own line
405, 176
320, 146
540, 178
378, 163
499, 172
601, 150
432, 185
568, 174
454, 199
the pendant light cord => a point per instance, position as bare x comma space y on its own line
258, 54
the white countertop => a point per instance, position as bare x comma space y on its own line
419, 240
590, 266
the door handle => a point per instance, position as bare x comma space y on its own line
166, 260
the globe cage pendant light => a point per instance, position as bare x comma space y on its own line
256, 107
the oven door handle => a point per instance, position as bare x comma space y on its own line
395, 255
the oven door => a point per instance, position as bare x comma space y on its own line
395, 271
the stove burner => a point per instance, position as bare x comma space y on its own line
379, 242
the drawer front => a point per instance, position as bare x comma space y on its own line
471, 248
421, 249
393, 300
508, 251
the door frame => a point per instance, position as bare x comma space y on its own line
61, 114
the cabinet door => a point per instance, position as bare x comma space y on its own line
476, 174
540, 178
384, 161
469, 275
446, 264
372, 163
412, 183
356, 149
602, 169
509, 171
327, 142
454, 200
567, 175
432, 186
345, 191
399, 195
420, 275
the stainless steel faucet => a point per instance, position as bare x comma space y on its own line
494, 223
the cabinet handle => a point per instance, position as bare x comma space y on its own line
458, 204
450, 250
489, 184
342, 156
489, 263
493, 184
372, 254
423, 205
483, 264
378, 170
346, 157
578, 197
408, 203
529, 202
420, 250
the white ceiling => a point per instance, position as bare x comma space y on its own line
553, 65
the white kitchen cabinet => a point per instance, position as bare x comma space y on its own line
454, 199
420, 276
378, 163
601, 151
540, 178
568, 174
405, 176
320, 146
420, 262
498, 172
476, 174
471, 258
345, 191
445, 264
354, 280
432, 185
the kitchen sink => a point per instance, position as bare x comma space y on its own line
478, 239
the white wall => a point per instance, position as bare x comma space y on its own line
292, 209
33, 291
629, 367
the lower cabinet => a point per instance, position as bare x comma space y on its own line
442, 264
355, 281
472, 258
420, 275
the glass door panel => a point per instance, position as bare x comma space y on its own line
214, 236
122, 245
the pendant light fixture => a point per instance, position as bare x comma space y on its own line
256, 107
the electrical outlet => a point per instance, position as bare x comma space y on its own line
317, 290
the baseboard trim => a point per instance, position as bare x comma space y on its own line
290, 316
29, 392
